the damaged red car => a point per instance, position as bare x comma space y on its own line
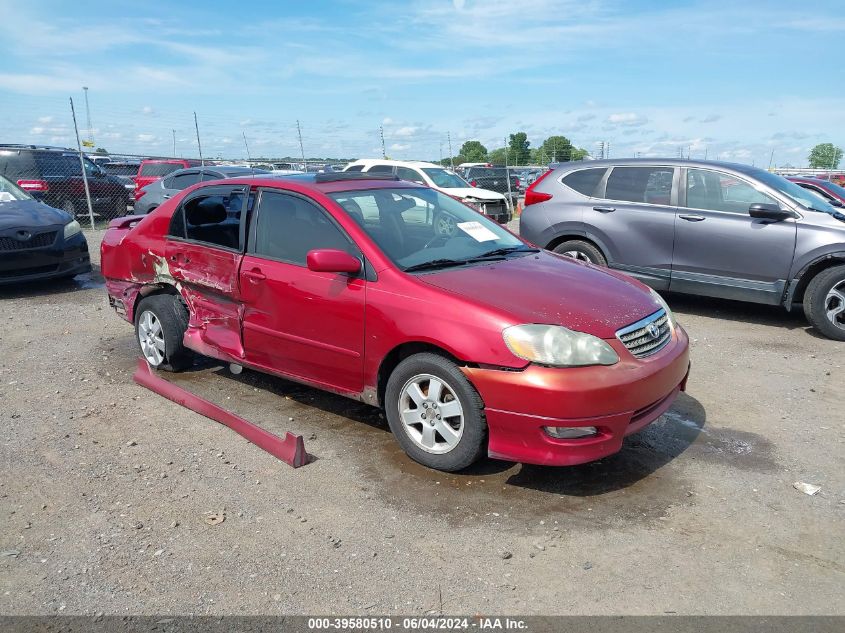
473, 341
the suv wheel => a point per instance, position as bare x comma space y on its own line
824, 302
118, 210
582, 251
435, 413
70, 208
160, 324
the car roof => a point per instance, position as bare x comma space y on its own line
368, 162
666, 162
327, 183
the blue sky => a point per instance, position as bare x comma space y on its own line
734, 79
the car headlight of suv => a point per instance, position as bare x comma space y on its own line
670, 318
557, 346
72, 228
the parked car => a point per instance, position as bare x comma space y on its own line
124, 171
707, 228
36, 240
400, 296
151, 196
828, 190
54, 176
489, 203
495, 179
151, 169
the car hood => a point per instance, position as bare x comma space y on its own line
552, 289
473, 192
30, 214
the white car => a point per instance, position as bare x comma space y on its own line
490, 203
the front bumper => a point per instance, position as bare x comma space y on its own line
618, 400
64, 258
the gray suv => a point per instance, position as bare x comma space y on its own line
707, 228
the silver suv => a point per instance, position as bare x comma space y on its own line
698, 227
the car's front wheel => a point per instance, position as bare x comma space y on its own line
435, 413
824, 302
160, 324
582, 251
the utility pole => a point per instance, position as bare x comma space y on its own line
705, 153
383, 148
174, 143
88, 117
508, 178
608, 149
771, 159
451, 158
441, 153
301, 146
199, 145
246, 145
82, 165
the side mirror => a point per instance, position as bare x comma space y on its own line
836, 203
330, 260
768, 211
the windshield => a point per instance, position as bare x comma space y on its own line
120, 169
445, 179
10, 192
834, 188
159, 169
802, 196
422, 228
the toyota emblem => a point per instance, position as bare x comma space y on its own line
653, 330
23, 236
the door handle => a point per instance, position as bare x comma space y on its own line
255, 275
692, 218
165, 197
604, 209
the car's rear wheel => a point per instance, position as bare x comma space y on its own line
582, 251
824, 302
160, 324
116, 211
69, 207
435, 413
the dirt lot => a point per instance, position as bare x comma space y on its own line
106, 488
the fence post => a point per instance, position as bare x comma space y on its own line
82, 165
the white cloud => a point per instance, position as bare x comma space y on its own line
387, 121
627, 119
146, 138
147, 110
398, 147
45, 119
405, 131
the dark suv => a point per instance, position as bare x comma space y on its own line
54, 176
707, 228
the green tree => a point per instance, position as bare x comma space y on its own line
557, 148
825, 156
474, 152
101, 150
519, 152
499, 156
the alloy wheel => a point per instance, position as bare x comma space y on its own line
834, 305
431, 413
151, 338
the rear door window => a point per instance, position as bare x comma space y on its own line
212, 217
182, 181
159, 169
355, 168
380, 169
412, 175
649, 185
584, 181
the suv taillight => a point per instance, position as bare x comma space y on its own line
34, 185
533, 197
517, 183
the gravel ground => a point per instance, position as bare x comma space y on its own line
108, 491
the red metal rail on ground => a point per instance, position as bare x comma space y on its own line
290, 450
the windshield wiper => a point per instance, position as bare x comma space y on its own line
505, 251
436, 263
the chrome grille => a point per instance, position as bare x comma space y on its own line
41, 240
638, 337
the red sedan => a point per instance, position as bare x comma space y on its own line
400, 296
827, 189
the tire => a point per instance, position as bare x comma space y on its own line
582, 251
824, 303
453, 441
117, 211
69, 207
171, 316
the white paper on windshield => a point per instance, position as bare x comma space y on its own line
477, 232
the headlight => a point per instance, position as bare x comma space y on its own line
555, 345
72, 228
670, 318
